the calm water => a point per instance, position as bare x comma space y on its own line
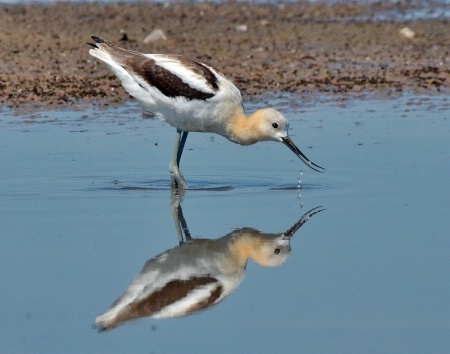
85, 202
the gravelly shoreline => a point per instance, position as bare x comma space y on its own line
294, 48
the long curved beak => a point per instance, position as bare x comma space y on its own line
290, 144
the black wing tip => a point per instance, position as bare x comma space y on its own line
98, 39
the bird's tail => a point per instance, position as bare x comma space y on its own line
108, 52
106, 321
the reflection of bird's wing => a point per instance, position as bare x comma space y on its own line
166, 288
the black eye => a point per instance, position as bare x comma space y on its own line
275, 125
276, 251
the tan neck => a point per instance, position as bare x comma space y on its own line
248, 245
243, 129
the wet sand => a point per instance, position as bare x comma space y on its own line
305, 49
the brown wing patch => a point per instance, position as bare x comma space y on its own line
169, 84
172, 292
200, 69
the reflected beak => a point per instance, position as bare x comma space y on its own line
290, 144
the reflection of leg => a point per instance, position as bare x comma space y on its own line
177, 215
177, 178
184, 227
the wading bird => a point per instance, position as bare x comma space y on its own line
192, 97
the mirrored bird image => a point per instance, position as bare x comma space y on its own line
198, 273
192, 96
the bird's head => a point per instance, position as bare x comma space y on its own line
272, 125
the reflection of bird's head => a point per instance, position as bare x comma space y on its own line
266, 249
272, 251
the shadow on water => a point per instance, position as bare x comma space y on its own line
198, 273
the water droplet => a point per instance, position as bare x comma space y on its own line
299, 180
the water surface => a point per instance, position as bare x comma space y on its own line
85, 202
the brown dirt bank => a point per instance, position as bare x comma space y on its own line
290, 48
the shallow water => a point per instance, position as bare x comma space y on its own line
85, 202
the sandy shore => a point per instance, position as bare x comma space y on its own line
302, 48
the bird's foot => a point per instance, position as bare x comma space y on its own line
177, 179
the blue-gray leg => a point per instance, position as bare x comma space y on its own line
177, 178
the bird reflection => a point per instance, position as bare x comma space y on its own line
198, 273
